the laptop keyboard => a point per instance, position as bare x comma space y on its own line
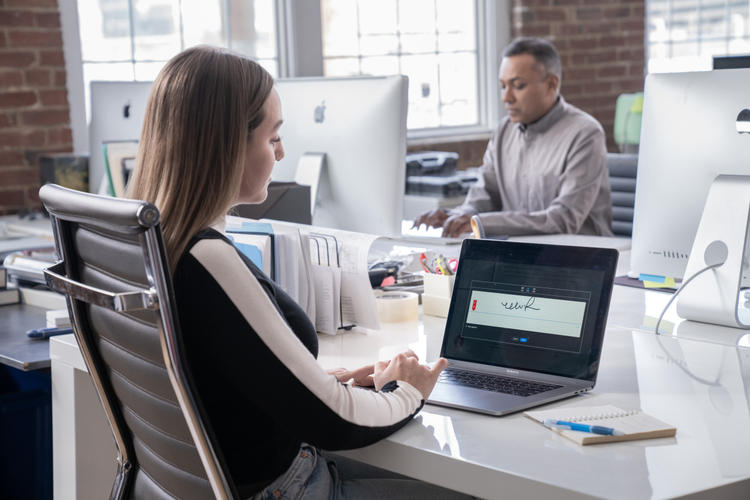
494, 383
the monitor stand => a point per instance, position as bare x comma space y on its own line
313, 171
309, 169
713, 297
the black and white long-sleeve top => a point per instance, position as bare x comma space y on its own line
252, 352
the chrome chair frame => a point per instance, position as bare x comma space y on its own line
143, 220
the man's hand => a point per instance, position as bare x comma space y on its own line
432, 218
362, 376
421, 377
455, 225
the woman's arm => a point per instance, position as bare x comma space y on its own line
362, 376
256, 349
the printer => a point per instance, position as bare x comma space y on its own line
435, 174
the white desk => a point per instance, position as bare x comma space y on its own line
690, 380
699, 387
381, 247
579, 240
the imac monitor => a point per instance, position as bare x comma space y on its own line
360, 125
117, 112
692, 132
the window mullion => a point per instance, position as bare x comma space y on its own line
284, 47
228, 22
182, 30
359, 41
132, 35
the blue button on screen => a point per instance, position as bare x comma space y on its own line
524, 340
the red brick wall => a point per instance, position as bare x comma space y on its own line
601, 44
34, 114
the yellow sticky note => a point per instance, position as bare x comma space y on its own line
637, 106
668, 283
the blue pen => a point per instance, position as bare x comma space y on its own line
594, 429
45, 333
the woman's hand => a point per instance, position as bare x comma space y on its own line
363, 376
401, 367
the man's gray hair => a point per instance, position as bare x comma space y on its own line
543, 51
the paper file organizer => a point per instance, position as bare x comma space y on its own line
326, 249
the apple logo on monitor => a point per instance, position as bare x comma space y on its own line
743, 122
320, 112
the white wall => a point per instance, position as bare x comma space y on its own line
74, 71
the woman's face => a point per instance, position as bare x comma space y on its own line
263, 150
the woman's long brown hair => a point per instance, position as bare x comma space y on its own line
203, 107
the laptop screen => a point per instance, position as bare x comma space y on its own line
533, 307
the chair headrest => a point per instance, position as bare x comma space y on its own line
131, 216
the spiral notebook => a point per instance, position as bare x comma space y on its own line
635, 424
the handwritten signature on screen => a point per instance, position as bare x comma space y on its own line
514, 306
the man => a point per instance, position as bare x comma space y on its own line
544, 170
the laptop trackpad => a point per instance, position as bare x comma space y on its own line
456, 395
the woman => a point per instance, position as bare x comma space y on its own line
210, 140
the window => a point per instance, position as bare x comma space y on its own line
433, 42
445, 47
684, 35
133, 39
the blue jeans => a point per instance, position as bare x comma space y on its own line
311, 477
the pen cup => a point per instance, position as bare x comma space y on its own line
436, 299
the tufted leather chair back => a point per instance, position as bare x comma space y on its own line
622, 174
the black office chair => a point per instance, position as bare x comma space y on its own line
114, 272
622, 174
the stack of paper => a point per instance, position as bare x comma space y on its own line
295, 268
7, 296
324, 252
357, 300
283, 254
323, 270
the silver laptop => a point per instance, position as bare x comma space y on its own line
525, 326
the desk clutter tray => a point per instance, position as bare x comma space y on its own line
26, 268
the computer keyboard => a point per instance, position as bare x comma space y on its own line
430, 240
427, 235
494, 383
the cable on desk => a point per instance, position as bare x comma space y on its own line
683, 285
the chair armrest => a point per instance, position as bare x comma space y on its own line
120, 302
